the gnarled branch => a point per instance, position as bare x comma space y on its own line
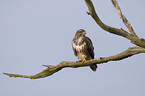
124, 19
128, 53
53, 69
134, 39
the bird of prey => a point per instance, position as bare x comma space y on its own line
83, 47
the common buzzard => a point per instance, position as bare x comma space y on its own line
83, 47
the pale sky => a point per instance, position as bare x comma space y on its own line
38, 32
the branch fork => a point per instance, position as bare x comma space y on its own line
140, 48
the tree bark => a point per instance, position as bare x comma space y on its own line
53, 69
140, 48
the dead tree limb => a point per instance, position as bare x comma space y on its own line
53, 69
124, 19
134, 39
140, 48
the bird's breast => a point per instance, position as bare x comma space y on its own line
79, 48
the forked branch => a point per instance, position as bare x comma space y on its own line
124, 19
128, 53
53, 69
133, 37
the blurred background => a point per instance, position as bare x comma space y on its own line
38, 32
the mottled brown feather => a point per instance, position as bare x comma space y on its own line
83, 47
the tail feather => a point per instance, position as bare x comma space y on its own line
94, 67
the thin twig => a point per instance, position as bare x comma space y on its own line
128, 53
124, 19
134, 39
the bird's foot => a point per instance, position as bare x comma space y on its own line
84, 60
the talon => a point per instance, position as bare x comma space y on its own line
84, 60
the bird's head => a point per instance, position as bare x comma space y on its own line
80, 33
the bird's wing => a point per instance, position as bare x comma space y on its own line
89, 47
74, 49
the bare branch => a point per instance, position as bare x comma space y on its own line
124, 19
53, 69
135, 40
128, 53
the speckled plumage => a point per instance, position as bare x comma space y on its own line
83, 47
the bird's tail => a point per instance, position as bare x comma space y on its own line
94, 67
